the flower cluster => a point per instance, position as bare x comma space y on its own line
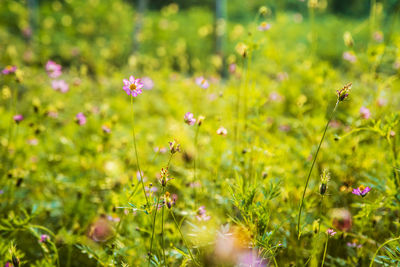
60, 85
9, 69
44, 238
343, 93
164, 177
222, 131
202, 214
53, 69
174, 147
264, 26
331, 232
169, 200
189, 119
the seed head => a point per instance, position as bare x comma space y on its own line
343, 93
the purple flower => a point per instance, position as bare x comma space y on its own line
232, 68
343, 93
250, 258
8, 264
361, 191
353, 244
349, 56
9, 69
81, 118
203, 83
264, 26
201, 214
365, 113
44, 238
330, 232
18, 118
132, 86
148, 83
188, 119
53, 69
60, 85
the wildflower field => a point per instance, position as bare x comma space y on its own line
199, 133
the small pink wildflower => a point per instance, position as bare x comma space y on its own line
264, 26
331, 232
53, 69
378, 36
189, 119
361, 191
18, 118
60, 85
106, 129
203, 83
365, 113
222, 131
349, 56
81, 118
132, 86
232, 68
201, 214
44, 238
9, 69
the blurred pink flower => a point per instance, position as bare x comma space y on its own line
264, 26
203, 83
148, 83
222, 131
361, 191
9, 70
132, 86
60, 85
18, 118
201, 214
349, 56
53, 69
189, 119
81, 118
44, 238
330, 232
365, 113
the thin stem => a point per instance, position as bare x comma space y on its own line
154, 226
379, 248
162, 235
136, 153
194, 163
183, 238
326, 246
312, 166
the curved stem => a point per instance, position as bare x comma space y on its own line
312, 166
136, 154
326, 246
183, 238
379, 248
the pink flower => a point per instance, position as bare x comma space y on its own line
148, 83
60, 85
203, 83
188, 118
53, 69
44, 238
361, 191
232, 68
81, 118
18, 118
132, 86
349, 56
378, 36
264, 26
201, 214
222, 131
331, 232
9, 69
106, 129
365, 113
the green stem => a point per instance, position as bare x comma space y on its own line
183, 238
379, 248
162, 235
136, 154
194, 164
154, 225
326, 246
312, 166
